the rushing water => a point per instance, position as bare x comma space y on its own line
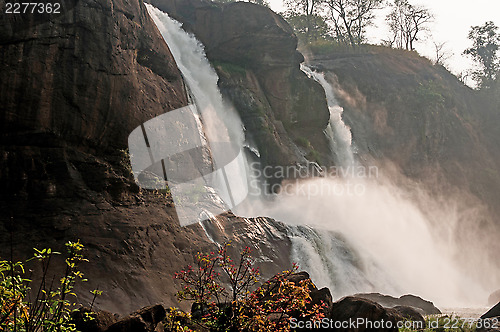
352, 234
338, 133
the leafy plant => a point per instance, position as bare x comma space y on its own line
238, 308
50, 309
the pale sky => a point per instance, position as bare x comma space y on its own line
452, 21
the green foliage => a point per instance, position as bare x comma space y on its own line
429, 96
310, 28
322, 47
177, 321
315, 156
229, 68
306, 19
267, 308
350, 18
50, 309
486, 43
303, 142
125, 163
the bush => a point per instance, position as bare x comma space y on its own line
50, 308
267, 308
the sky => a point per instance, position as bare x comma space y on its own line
451, 24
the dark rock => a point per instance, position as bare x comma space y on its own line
350, 309
248, 33
421, 305
493, 312
71, 94
417, 302
100, 321
144, 320
322, 297
411, 314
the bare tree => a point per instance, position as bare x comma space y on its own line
406, 22
351, 17
442, 54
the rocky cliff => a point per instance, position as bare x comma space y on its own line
72, 89
418, 117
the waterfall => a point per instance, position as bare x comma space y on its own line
220, 121
376, 239
220, 124
338, 133
352, 234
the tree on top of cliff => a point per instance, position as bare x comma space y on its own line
406, 22
305, 14
486, 43
350, 18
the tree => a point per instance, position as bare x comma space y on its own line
484, 50
351, 17
406, 22
306, 12
241, 307
441, 53
309, 29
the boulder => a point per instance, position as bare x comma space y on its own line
493, 312
422, 306
144, 320
361, 314
100, 321
410, 313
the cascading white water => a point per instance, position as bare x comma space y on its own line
338, 133
383, 228
220, 121
374, 240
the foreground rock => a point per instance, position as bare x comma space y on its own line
147, 319
410, 313
144, 320
359, 314
493, 312
422, 306
100, 322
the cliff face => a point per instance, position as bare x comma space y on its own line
80, 82
419, 116
435, 130
72, 89
254, 52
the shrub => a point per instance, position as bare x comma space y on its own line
238, 308
50, 308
